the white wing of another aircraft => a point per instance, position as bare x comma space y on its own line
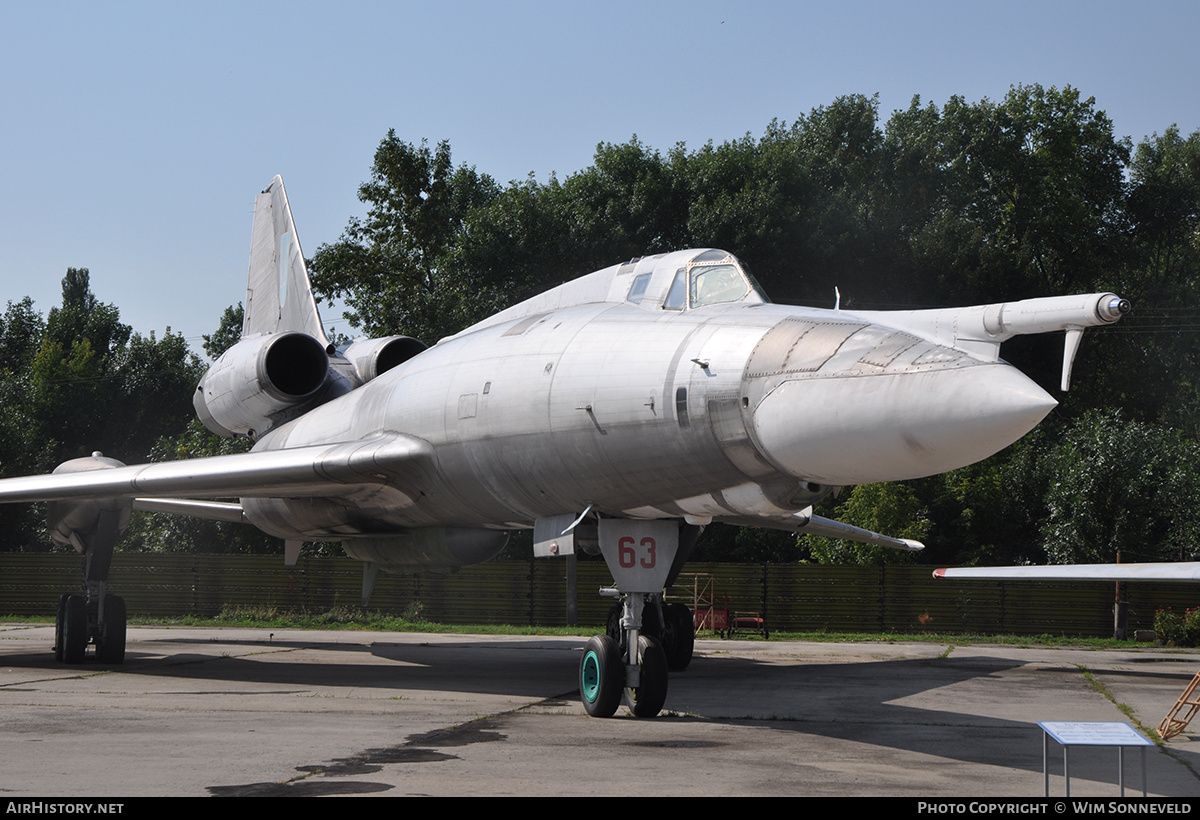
618, 414
1166, 571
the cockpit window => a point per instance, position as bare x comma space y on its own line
638, 289
711, 277
677, 295
715, 284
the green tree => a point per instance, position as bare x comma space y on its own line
152, 385
21, 330
71, 374
745, 545
1155, 359
22, 450
1122, 486
390, 268
227, 334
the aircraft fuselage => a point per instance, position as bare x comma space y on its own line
647, 413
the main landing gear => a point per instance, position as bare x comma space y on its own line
84, 619
92, 527
645, 637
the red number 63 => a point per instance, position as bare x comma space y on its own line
627, 554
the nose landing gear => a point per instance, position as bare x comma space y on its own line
644, 637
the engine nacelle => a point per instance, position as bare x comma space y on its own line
88, 524
260, 382
374, 357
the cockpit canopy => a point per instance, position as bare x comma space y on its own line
711, 277
677, 281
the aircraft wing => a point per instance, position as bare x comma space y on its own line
302, 471
1165, 571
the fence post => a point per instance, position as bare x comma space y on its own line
881, 592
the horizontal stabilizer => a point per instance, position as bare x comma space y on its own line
1184, 571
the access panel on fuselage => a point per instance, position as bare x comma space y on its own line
627, 410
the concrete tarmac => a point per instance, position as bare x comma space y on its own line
203, 711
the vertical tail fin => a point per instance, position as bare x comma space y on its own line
278, 294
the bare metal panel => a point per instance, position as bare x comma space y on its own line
729, 429
887, 350
937, 354
798, 346
524, 325
467, 405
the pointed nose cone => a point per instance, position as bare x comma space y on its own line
857, 430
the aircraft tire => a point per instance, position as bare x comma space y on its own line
613, 625
58, 627
601, 676
75, 629
648, 698
679, 636
111, 646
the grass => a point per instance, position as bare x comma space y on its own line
1125, 709
356, 618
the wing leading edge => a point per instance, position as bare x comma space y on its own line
303, 471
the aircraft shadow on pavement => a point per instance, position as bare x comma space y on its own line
980, 709
955, 708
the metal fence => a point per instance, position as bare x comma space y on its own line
789, 597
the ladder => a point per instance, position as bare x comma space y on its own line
1172, 724
705, 601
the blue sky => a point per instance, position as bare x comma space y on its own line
135, 135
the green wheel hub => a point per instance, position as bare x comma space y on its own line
601, 676
590, 677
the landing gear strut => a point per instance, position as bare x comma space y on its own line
672, 624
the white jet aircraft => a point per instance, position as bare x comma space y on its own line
618, 413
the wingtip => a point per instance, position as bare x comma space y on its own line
939, 573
